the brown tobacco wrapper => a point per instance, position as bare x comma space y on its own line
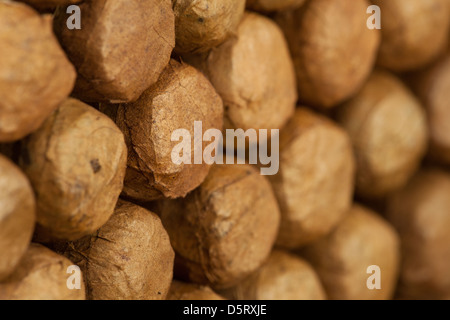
413, 32
274, 5
189, 291
129, 258
181, 96
41, 275
387, 126
224, 230
432, 85
341, 259
35, 75
121, 48
202, 25
49, 4
282, 277
332, 48
17, 216
76, 164
314, 185
421, 214
254, 75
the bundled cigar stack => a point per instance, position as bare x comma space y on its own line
358, 209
